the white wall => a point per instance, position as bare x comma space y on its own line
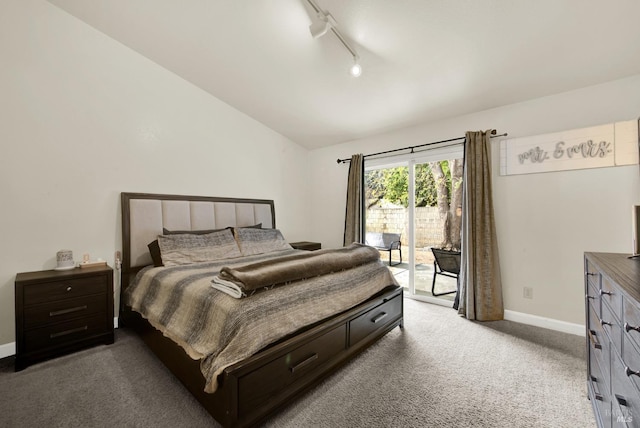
83, 118
545, 222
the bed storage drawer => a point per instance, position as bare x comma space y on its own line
374, 319
257, 386
280, 373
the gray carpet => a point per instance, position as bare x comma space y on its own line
440, 371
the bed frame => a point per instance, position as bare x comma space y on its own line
251, 390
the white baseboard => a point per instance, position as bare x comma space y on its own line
550, 323
7, 350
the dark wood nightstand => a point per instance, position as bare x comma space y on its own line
306, 245
58, 312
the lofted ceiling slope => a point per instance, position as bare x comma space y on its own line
422, 60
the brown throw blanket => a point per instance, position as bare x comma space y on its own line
244, 280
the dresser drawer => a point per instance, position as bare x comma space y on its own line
610, 294
611, 325
625, 399
598, 349
286, 369
374, 319
599, 364
64, 310
64, 289
64, 333
631, 321
592, 275
593, 294
600, 399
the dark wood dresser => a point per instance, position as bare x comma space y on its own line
612, 285
62, 311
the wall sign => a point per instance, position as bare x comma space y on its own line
614, 144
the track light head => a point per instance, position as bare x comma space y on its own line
322, 24
325, 22
355, 70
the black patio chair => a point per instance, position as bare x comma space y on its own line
446, 263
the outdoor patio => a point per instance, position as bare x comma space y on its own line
424, 272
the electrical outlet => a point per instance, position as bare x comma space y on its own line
527, 293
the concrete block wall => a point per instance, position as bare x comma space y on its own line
396, 220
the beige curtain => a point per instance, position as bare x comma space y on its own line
480, 283
354, 214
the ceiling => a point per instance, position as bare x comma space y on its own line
422, 60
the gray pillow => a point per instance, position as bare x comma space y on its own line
188, 248
258, 241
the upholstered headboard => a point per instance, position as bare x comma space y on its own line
144, 215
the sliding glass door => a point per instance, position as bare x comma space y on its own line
416, 200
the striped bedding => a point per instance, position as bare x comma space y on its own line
221, 330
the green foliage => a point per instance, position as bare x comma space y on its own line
396, 185
374, 186
392, 185
426, 195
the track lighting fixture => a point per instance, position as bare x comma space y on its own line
322, 25
355, 69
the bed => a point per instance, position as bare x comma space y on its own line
269, 372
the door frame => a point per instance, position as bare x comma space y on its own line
410, 160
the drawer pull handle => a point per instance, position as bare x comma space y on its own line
596, 393
590, 297
304, 363
628, 327
591, 273
68, 288
603, 323
621, 400
630, 372
378, 317
608, 293
67, 311
64, 333
594, 339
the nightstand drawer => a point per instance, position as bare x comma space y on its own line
64, 310
67, 332
64, 289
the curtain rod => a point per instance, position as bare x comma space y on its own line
493, 135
